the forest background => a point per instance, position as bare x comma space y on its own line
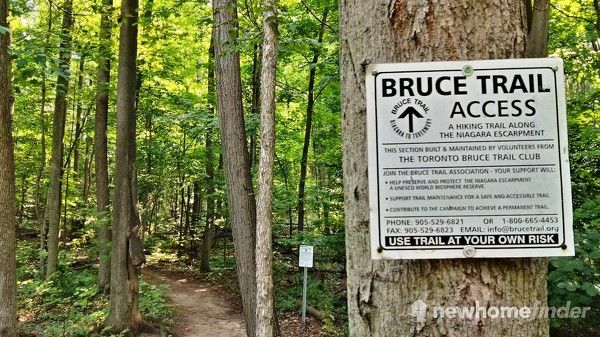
182, 197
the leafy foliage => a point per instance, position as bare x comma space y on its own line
577, 279
70, 303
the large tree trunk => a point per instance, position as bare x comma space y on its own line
101, 144
126, 252
310, 108
8, 279
380, 292
264, 214
58, 132
240, 192
207, 237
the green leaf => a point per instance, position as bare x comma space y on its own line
591, 289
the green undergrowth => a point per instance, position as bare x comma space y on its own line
70, 303
326, 286
222, 268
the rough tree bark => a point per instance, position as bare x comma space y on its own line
8, 263
264, 214
310, 108
101, 144
380, 292
240, 193
207, 236
126, 251
537, 38
58, 132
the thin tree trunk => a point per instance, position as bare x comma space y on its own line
207, 237
196, 202
79, 110
126, 250
8, 279
87, 168
537, 39
256, 66
265, 319
310, 107
58, 132
101, 144
290, 211
181, 216
65, 234
240, 192
380, 293
188, 228
39, 209
597, 11
21, 213
196, 209
146, 23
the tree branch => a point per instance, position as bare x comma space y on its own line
560, 10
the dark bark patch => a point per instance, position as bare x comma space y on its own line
396, 13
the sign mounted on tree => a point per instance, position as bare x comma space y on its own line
468, 159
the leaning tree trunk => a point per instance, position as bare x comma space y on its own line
58, 133
101, 144
380, 292
8, 263
240, 193
265, 319
126, 251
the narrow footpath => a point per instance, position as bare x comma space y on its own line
201, 310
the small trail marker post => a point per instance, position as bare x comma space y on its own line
305, 261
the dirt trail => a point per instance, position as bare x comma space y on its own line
201, 309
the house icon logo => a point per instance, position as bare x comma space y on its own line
418, 311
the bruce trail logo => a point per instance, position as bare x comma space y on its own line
409, 118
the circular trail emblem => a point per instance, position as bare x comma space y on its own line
409, 118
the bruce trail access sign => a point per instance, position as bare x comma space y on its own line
468, 159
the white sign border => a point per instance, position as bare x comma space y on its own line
310, 252
378, 252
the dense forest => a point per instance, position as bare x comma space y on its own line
194, 140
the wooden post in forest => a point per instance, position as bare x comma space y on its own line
380, 292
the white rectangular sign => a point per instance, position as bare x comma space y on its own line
468, 159
306, 256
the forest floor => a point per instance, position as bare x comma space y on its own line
205, 309
201, 309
